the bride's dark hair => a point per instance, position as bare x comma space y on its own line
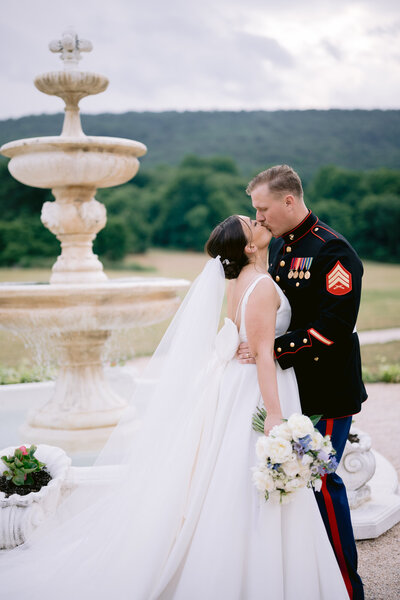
229, 241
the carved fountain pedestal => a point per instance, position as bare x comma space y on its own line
78, 310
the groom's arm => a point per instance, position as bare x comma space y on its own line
338, 271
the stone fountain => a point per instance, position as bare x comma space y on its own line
78, 310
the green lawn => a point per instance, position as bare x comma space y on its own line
379, 306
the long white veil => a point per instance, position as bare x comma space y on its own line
115, 543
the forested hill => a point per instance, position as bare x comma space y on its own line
355, 139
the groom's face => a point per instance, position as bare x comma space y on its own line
272, 209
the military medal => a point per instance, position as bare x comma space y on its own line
301, 266
291, 272
296, 264
307, 274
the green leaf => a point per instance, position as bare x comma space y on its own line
32, 450
315, 419
19, 479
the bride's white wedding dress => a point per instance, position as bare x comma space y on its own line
241, 547
189, 525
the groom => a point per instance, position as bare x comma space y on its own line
320, 273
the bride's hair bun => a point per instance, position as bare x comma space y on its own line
228, 241
231, 268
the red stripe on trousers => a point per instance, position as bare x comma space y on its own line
334, 526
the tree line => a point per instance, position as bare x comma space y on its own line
178, 206
304, 139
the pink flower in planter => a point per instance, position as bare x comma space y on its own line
23, 450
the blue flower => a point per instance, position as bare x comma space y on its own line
298, 448
332, 465
305, 442
322, 455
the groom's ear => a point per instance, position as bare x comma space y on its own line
289, 201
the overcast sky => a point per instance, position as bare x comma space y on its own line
208, 54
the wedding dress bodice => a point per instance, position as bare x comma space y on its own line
229, 338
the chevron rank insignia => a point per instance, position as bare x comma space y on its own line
338, 280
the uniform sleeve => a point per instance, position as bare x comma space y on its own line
338, 285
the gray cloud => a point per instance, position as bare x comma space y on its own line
201, 55
332, 49
389, 30
265, 48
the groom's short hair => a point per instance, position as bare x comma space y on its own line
280, 178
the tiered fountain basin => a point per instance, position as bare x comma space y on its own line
58, 162
78, 320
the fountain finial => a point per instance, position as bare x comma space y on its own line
70, 47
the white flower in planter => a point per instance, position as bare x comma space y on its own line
20, 515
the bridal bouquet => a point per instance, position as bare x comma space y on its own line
294, 455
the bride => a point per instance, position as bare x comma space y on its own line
182, 519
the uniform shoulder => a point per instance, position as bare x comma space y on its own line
325, 233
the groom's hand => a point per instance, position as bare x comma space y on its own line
243, 354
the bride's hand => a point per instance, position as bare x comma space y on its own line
243, 354
271, 421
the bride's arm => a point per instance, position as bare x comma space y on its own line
260, 326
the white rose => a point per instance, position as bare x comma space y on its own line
279, 449
294, 484
263, 480
317, 440
327, 445
282, 430
262, 447
300, 425
291, 466
306, 460
304, 472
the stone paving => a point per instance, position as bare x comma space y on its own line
379, 559
379, 336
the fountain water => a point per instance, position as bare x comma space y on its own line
80, 307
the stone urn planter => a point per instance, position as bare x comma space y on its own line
20, 515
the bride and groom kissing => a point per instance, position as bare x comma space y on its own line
185, 521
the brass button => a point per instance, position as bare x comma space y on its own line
279, 349
291, 344
305, 340
316, 228
277, 278
316, 358
282, 263
297, 284
288, 249
291, 236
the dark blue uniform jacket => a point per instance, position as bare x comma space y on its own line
320, 274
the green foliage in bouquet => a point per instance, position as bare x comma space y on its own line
21, 465
260, 415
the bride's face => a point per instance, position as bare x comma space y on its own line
255, 233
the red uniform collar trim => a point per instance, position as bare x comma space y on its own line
290, 237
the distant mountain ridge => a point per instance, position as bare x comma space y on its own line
307, 140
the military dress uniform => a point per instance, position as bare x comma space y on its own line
320, 273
